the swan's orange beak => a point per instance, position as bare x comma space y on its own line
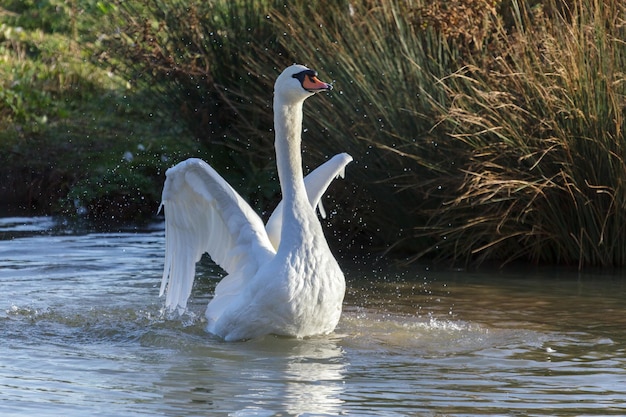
313, 84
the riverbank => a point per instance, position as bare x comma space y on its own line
75, 137
498, 138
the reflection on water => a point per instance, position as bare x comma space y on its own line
259, 378
84, 334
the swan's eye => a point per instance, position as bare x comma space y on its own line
300, 76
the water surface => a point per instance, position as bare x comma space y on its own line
84, 333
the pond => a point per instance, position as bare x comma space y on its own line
84, 333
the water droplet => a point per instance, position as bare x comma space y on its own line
128, 156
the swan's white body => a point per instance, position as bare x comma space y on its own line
282, 279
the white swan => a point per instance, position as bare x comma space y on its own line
282, 279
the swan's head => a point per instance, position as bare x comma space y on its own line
298, 82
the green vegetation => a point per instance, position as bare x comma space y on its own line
75, 136
481, 129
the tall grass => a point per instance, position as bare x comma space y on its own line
385, 72
545, 124
481, 130
387, 60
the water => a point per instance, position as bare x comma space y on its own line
83, 333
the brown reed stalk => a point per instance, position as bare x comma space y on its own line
545, 123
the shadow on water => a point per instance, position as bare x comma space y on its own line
84, 333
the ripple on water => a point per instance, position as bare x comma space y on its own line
398, 333
84, 333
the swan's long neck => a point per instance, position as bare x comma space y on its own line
298, 216
288, 127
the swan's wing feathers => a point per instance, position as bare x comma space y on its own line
316, 184
204, 214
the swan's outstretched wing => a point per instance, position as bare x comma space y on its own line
204, 214
316, 184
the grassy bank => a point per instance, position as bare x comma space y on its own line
481, 130
76, 137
